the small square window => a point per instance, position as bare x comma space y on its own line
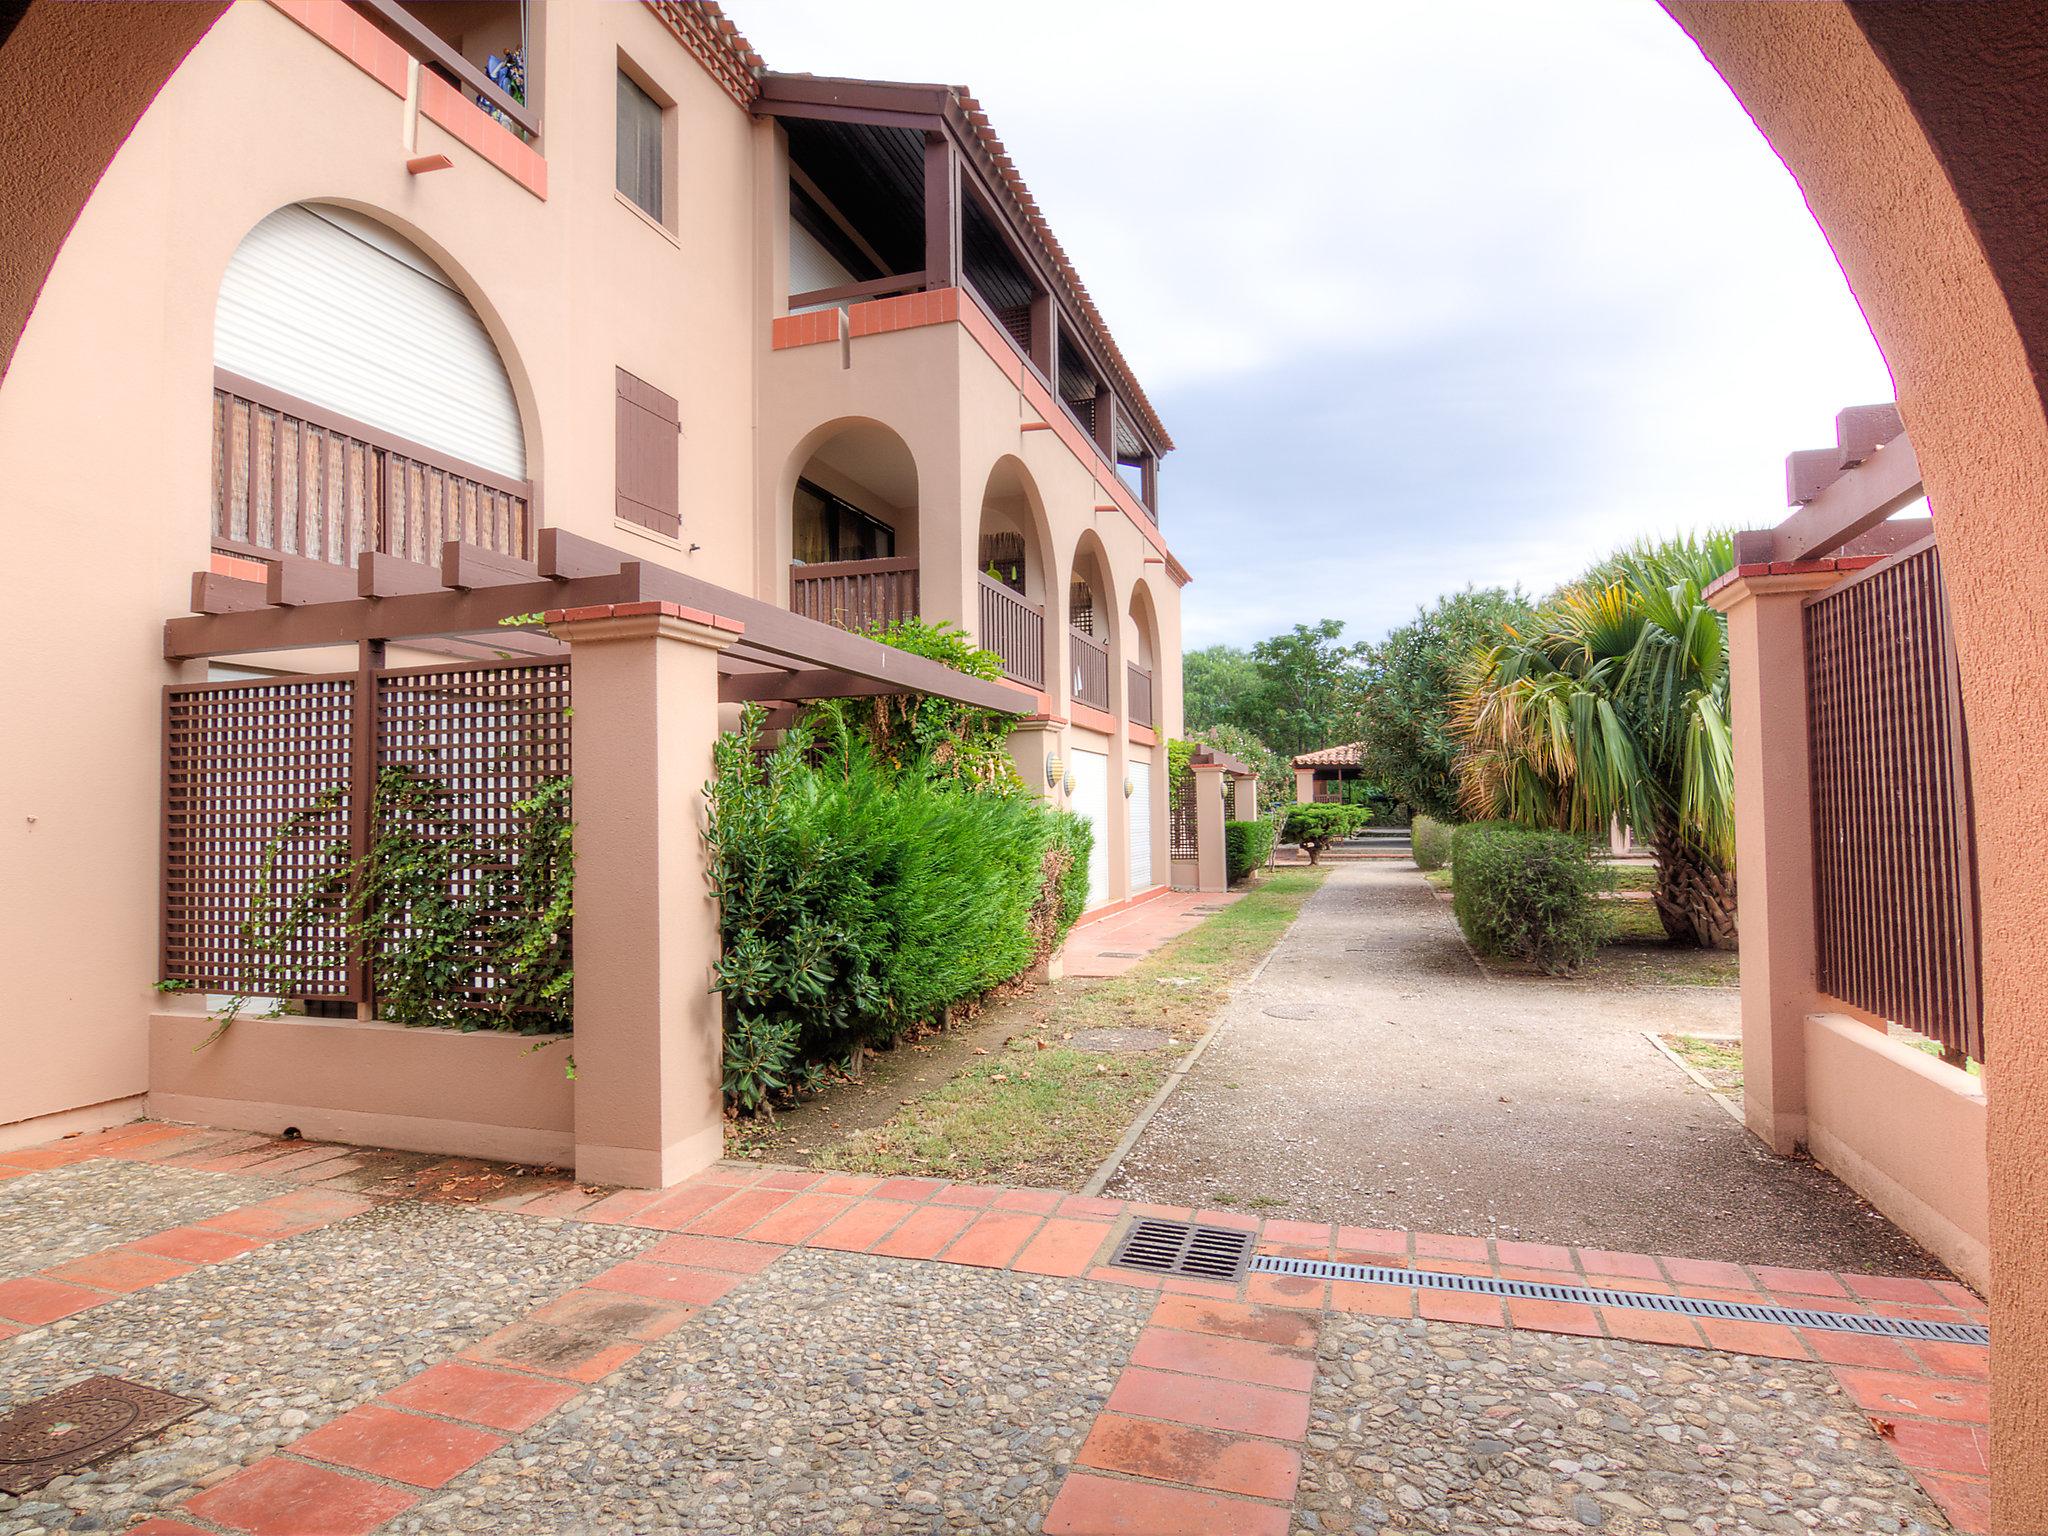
640, 149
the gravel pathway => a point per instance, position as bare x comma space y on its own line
282, 1339
833, 1393
1474, 1431
1373, 1075
61, 1214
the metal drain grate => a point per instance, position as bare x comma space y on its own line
62, 1432
1642, 1301
1178, 1248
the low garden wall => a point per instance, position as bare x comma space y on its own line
476, 1094
1905, 1130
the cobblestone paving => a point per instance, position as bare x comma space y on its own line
285, 1338
835, 1393
1434, 1427
61, 1214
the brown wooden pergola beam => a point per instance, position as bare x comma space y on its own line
1852, 505
798, 687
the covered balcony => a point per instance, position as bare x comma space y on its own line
484, 49
853, 531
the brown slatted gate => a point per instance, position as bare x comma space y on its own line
261, 790
1895, 890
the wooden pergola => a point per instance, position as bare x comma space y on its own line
496, 602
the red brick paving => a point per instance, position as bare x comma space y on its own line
1089, 1505
1199, 1458
118, 1270
1063, 1246
866, 1224
994, 1238
728, 1254
478, 1395
280, 1497
195, 1245
427, 1453
925, 1233
1207, 1404
698, 1287
35, 1301
570, 1354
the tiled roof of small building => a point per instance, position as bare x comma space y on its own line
1346, 756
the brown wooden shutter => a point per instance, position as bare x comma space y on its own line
649, 491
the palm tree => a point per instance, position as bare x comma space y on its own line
1612, 704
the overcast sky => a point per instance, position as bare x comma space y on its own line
1427, 294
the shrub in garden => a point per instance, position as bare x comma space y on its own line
1431, 840
1526, 894
1246, 845
1315, 827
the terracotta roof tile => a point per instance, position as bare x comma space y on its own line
1346, 756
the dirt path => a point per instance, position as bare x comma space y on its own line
1373, 1075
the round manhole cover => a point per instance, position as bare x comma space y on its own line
1121, 1040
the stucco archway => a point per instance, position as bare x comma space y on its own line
846, 528
1013, 551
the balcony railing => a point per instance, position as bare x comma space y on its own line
855, 594
290, 478
403, 27
1090, 668
1014, 630
1140, 695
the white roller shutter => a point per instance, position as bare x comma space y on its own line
1091, 799
332, 307
1140, 805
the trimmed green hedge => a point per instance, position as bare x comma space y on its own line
1315, 827
1526, 894
1431, 840
1246, 845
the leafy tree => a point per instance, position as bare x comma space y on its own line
1411, 751
1310, 688
1276, 779
1314, 827
1612, 702
1215, 683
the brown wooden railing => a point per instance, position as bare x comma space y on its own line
1014, 630
1140, 695
1090, 669
855, 594
399, 24
290, 478
1895, 882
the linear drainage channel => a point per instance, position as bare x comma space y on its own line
1642, 1301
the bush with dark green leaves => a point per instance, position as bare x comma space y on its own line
1314, 827
1522, 893
858, 900
1431, 840
1246, 845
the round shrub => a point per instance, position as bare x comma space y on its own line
1526, 894
1431, 840
1314, 827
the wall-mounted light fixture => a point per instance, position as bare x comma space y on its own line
1069, 784
1128, 786
1052, 770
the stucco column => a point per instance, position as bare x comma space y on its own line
1773, 844
1304, 786
1212, 865
648, 1041
1245, 798
1032, 743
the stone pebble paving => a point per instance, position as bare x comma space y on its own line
1419, 1426
838, 1393
282, 1339
53, 1215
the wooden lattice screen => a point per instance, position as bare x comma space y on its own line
1180, 828
1895, 888
267, 805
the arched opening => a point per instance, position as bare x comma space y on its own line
853, 529
1092, 647
359, 402
1141, 670
1013, 573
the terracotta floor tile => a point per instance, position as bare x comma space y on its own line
161, 1527
925, 1232
976, 1196
868, 1222
1199, 1458
255, 1221
1960, 1295
1894, 1288
1372, 1300
1860, 1349
1797, 1282
1207, 1354
1554, 1316
614, 1312
1773, 1340
34, 1301
1211, 1404
1063, 1246
664, 1282
573, 1354
1162, 1212
846, 1184
404, 1447
1607, 1261
1546, 1256
680, 1206
119, 1269
908, 1189
1708, 1272
1949, 1448
278, 1497
1965, 1501
1312, 1235
1235, 1221
1042, 1201
1135, 1279
1459, 1307
495, 1399
1282, 1326
729, 1254
626, 1206
1184, 1285
195, 1245
1287, 1291
797, 1219
1885, 1393
1970, 1361
1652, 1327
37, 1159
1444, 1245
746, 1208
1090, 1205
8, 1331
566, 1201
1637, 1283
994, 1238
789, 1178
